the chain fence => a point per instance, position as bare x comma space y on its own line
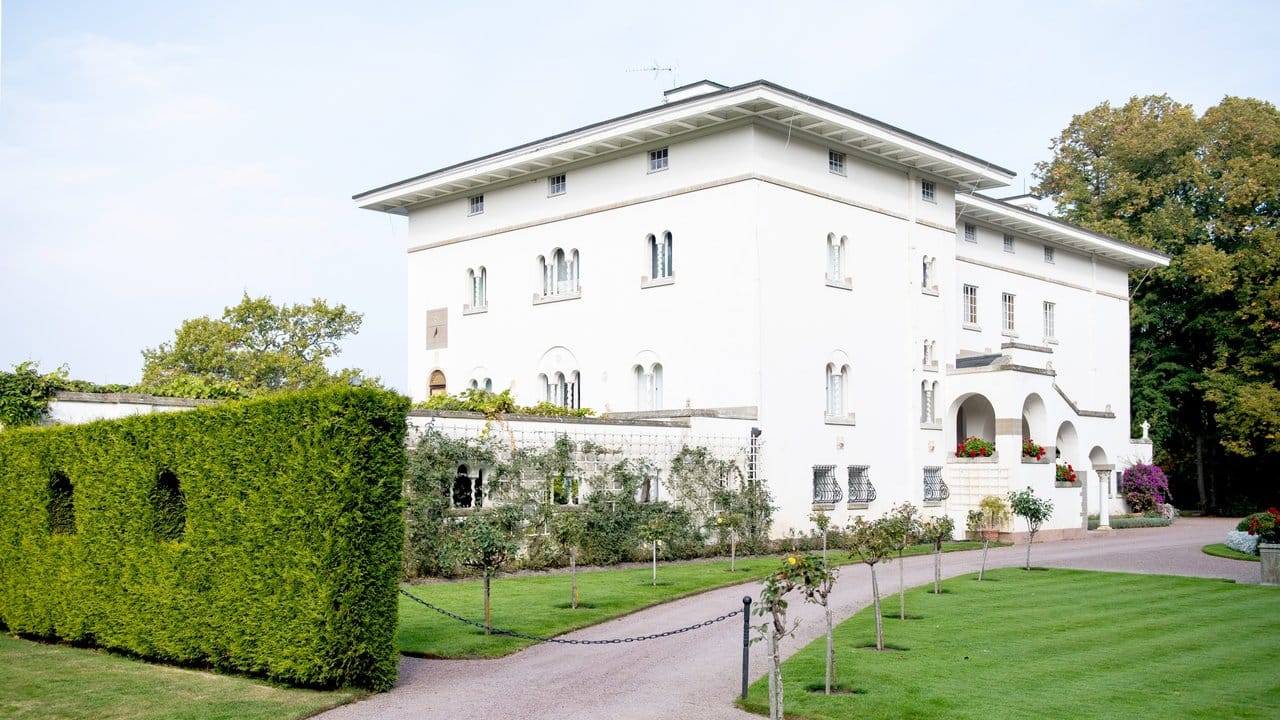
570, 641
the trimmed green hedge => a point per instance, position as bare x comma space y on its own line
261, 536
1124, 522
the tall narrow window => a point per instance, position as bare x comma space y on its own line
926, 402
559, 272
478, 281
837, 390
1049, 321
660, 256
1048, 254
928, 281
970, 233
556, 185
928, 191
835, 162
1006, 302
648, 386
62, 505
475, 204
970, 307
1008, 243
657, 160
836, 250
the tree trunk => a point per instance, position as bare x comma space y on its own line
733, 552
775, 677
902, 590
831, 652
655, 562
986, 542
486, 602
937, 570
824, 548
1031, 537
1200, 487
875, 598
573, 574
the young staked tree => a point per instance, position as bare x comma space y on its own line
903, 525
1026, 505
728, 524
653, 531
570, 530
817, 584
936, 531
991, 515
822, 521
797, 572
871, 543
487, 542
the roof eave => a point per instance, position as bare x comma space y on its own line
1056, 231
759, 101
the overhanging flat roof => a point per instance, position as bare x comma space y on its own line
1042, 227
759, 101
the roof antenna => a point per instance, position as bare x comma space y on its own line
657, 68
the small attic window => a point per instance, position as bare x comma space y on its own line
475, 204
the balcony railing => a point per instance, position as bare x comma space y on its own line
826, 489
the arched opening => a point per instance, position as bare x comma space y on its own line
436, 384
1066, 443
62, 505
1034, 419
462, 487
168, 508
975, 417
1102, 468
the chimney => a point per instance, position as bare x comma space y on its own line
693, 89
1026, 202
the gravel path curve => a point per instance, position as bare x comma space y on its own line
698, 674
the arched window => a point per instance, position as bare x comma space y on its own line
168, 508
660, 256
474, 384
561, 263
462, 488
648, 386
924, 401
544, 272
574, 271
480, 288
837, 388
488, 384
927, 279
436, 384
560, 273
836, 250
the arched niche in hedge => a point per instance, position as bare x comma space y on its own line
168, 508
62, 504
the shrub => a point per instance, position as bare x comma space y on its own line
1242, 541
261, 536
1266, 525
975, 447
1144, 487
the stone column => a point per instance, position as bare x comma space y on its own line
1104, 499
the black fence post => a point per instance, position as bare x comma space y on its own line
746, 640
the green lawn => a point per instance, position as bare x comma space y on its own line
39, 681
1221, 550
1054, 644
539, 604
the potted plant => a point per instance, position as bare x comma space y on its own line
1032, 451
1065, 474
975, 447
1266, 526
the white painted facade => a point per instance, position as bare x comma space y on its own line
75, 408
753, 309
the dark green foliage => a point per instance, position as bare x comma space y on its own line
262, 537
25, 393
616, 522
492, 405
1123, 523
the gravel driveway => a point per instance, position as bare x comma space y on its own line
698, 674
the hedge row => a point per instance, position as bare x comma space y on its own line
1124, 523
261, 536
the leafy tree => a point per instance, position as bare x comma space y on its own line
903, 526
797, 572
991, 515
570, 530
487, 542
1026, 505
822, 521
728, 524
1205, 339
255, 347
936, 531
871, 543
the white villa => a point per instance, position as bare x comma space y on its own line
748, 257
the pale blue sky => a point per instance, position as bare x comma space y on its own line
159, 158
